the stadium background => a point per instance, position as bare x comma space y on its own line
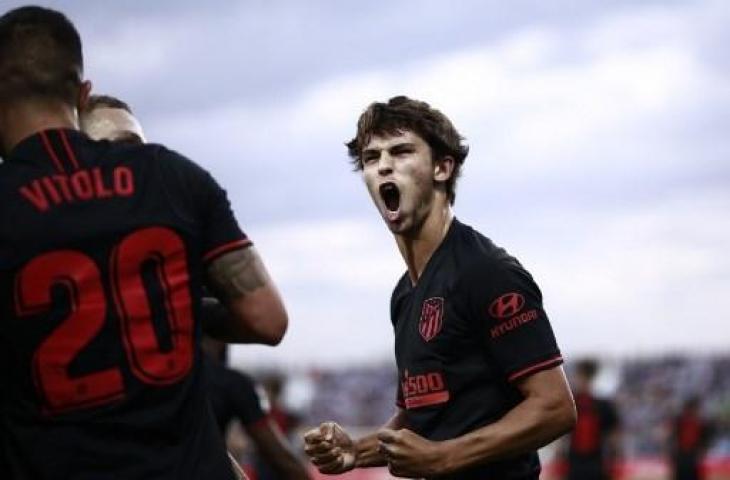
599, 157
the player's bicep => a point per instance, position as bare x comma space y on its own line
237, 274
240, 279
550, 395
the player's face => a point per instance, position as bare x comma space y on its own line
115, 124
399, 173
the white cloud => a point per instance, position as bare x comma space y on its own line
336, 278
592, 115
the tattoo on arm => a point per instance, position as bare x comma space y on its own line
237, 273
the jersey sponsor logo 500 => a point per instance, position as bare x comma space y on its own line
424, 389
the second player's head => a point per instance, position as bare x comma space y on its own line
410, 155
108, 118
40, 59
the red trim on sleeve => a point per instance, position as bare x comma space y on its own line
51, 152
552, 362
225, 248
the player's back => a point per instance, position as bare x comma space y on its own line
101, 264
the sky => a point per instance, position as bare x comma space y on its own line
599, 152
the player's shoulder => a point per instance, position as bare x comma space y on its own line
403, 285
475, 253
401, 289
175, 171
172, 159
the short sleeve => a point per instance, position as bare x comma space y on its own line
221, 233
507, 306
247, 401
195, 194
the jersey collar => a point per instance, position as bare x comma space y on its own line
32, 148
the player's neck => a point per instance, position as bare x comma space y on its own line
21, 120
418, 247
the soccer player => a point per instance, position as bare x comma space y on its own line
234, 396
690, 437
480, 376
231, 394
104, 247
594, 443
108, 118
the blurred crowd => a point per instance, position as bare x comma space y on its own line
651, 393
648, 395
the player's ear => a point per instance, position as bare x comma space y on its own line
84, 93
443, 168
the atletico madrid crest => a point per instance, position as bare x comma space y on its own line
432, 315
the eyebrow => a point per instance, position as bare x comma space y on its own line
392, 147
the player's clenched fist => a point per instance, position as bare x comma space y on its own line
409, 454
330, 448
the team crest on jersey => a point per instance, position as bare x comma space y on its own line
432, 316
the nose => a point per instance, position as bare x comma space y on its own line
385, 164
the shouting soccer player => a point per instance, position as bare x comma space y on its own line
481, 385
104, 247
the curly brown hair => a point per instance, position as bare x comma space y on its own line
405, 114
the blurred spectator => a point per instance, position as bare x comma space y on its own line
233, 395
286, 422
594, 441
690, 437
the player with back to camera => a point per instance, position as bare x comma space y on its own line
104, 248
481, 386
108, 118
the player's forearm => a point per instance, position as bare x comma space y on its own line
530, 425
218, 323
367, 452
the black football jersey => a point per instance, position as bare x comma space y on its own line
233, 396
471, 326
102, 252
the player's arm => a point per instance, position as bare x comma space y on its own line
546, 412
257, 314
275, 449
332, 450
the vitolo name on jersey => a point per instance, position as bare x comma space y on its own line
80, 186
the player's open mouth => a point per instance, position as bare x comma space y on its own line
391, 196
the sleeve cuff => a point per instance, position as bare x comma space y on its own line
551, 362
225, 248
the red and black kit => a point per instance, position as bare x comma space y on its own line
470, 328
102, 253
233, 395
